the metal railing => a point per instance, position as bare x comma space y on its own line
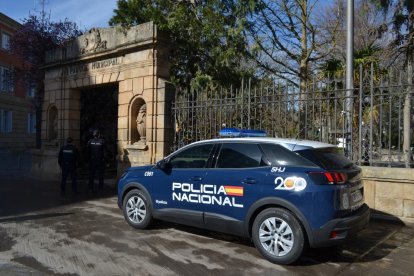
319, 113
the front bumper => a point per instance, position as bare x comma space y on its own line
338, 230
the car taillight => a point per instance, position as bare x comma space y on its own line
331, 178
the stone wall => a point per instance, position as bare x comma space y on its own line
390, 192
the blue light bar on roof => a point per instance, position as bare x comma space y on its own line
235, 132
253, 133
229, 132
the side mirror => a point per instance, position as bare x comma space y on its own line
162, 164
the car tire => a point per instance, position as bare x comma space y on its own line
137, 210
278, 236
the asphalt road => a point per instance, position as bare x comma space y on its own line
40, 234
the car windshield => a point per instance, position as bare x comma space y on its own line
327, 158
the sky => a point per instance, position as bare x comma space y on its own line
85, 13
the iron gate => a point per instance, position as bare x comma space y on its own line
319, 113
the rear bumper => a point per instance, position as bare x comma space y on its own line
342, 227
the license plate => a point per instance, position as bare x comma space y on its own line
356, 196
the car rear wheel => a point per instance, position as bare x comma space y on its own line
278, 236
136, 209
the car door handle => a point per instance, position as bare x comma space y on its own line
249, 181
196, 178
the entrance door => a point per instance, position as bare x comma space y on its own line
99, 110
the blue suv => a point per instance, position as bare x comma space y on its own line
281, 193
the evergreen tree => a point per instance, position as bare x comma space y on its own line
402, 23
206, 37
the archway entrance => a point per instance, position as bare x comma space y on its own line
99, 110
113, 80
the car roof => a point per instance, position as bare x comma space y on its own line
291, 144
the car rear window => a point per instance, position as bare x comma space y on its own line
280, 156
327, 158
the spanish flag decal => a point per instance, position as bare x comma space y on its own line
234, 190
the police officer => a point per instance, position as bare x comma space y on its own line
68, 161
96, 153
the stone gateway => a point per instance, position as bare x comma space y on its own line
136, 62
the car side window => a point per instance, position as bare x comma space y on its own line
280, 156
194, 157
240, 155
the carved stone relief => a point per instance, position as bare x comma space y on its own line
93, 42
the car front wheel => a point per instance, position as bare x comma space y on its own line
278, 236
136, 209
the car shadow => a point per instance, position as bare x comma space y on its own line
373, 243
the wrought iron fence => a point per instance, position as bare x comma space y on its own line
320, 113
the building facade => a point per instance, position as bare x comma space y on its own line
17, 114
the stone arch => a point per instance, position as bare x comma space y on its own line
137, 121
52, 123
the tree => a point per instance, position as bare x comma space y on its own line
368, 27
370, 46
287, 39
402, 24
206, 37
38, 35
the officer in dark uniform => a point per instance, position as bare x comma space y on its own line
68, 161
96, 153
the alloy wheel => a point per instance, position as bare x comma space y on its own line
136, 209
276, 236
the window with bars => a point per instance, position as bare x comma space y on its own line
6, 121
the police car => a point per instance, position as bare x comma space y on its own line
282, 193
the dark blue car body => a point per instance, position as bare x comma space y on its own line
202, 189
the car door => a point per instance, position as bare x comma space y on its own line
177, 195
236, 182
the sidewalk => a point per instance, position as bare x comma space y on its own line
384, 248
